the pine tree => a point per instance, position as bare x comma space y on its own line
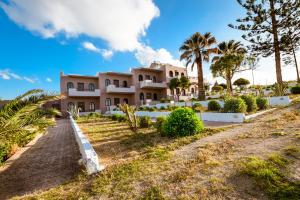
265, 23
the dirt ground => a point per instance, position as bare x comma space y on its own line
48, 161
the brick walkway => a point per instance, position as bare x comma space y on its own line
50, 160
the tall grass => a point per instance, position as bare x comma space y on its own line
22, 118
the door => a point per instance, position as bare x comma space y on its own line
116, 101
117, 83
81, 106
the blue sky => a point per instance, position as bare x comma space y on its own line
37, 41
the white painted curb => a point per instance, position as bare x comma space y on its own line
89, 156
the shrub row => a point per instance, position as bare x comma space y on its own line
247, 103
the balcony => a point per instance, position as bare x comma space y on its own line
120, 90
152, 85
73, 92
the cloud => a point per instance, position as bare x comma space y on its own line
49, 80
121, 23
103, 52
7, 75
146, 55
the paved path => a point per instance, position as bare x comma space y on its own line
46, 162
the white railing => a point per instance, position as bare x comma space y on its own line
114, 89
88, 154
73, 92
151, 84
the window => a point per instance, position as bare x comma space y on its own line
71, 106
124, 83
125, 101
193, 90
141, 96
80, 86
171, 73
108, 102
183, 92
140, 77
155, 97
182, 74
92, 106
91, 87
148, 95
177, 91
70, 85
176, 73
117, 83
148, 77
172, 92
116, 101
81, 106
154, 79
107, 82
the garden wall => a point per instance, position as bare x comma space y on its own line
279, 101
222, 117
89, 156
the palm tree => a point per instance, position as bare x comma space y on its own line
195, 50
228, 61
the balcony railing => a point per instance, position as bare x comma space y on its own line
151, 84
124, 90
73, 92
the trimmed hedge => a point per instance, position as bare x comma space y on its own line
262, 103
295, 90
250, 101
235, 105
182, 122
197, 107
213, 105
145, 122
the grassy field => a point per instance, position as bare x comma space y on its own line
148, 166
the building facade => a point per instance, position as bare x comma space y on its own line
103, 92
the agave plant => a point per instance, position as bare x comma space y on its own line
22, 117
130, 116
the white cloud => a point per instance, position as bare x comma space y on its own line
29, 79
146, 55
49, 80
7, 75
119, 22
4, 74
103, 52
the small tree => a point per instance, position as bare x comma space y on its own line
130, 116
241, 82
223, 85
174, 84
184, 82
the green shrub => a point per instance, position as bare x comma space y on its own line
217, 88
181, 101
235, 105
4, 151
162, 108
151, 109
170, 107
182, 122
94, 115
250, 101
197, 107
262, 103
159, 124
295, 90
118, 117
145, 122
214, 105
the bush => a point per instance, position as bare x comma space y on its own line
262, 103
151, 109
159, 124
182, 122
217, 88
118, 117
94, 115
145, 122
295, 90
250, 101
214, 105
197, 107
170, 108
162, 108
235, 105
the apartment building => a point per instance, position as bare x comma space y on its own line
104, 91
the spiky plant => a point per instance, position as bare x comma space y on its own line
22, 117
130, 116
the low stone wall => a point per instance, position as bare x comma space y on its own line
89, 156
222, 117
279, 101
